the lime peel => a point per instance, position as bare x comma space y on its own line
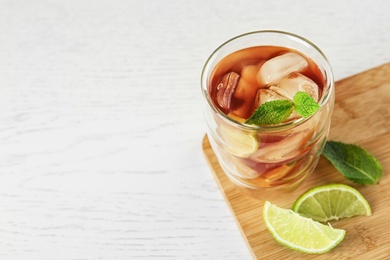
239, 143
331, 202
300, 233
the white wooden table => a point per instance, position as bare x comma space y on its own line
101, 127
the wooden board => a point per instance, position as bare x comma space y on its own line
361, 116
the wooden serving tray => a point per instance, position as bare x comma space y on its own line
362, 116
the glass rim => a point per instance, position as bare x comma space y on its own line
304, 41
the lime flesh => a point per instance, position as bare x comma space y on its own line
331, 202
300, 233
239, 143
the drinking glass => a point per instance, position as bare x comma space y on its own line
268, 157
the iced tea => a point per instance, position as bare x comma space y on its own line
249, 71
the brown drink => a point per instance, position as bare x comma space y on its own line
249, 74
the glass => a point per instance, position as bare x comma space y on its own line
270, 157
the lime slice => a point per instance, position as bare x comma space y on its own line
238, 142
300, 233
331, 202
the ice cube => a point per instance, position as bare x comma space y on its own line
295, 82
279, 67
266, 95
248, 72
283, 148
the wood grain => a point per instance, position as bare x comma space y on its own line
361, 116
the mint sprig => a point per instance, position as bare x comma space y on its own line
277, 111
305, 105
272, 112
353, 162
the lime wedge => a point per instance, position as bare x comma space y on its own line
238, 142
300, 233
331, 202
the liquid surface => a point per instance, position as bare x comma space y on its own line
245, 79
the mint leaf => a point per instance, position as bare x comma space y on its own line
271, 113
353, 162
305, 105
